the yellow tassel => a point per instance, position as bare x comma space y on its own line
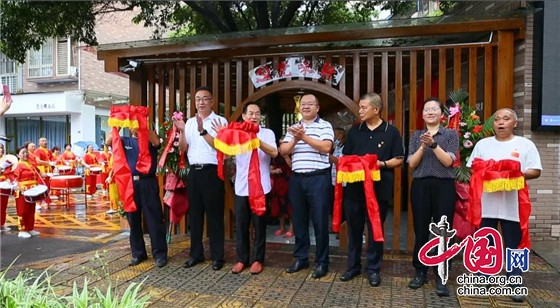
504, 184
350, 177
236, 149
376, 175
127, 123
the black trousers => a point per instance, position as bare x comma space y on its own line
146, 197
243, 218
356, 217
431, 198
511, 232
309, 197
206, 196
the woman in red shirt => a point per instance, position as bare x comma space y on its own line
27, 176
90, 160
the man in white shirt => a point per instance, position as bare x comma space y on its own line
205, 188
244, 213
310, 142
503, 206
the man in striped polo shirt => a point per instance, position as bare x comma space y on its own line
310, 142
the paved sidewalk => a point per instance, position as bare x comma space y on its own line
174, 286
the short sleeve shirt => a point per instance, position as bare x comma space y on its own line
504, 204
130, 145
242, 162
199, 151
430, 166
386, 142
304, 157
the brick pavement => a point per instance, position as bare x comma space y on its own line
174, 286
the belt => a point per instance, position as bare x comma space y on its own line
313, 173
143, 177
202, 166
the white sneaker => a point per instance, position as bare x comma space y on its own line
111, 211
24, 234
5, 229
34, 233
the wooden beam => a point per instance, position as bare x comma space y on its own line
152, 91
192, 88
504, 72
427, 74
385, 83
161, 94
411, 128
137, 91
442, 74
356, 76
182, 90
370, 71
283, 37
472, 76
172, 89
227, 88
457, 62
488, 81
398, 122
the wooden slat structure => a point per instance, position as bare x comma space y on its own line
403, 74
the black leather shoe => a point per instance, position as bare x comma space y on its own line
297, 266
418, 281
320, 271
138, 260
192, 262
441, 289
217, 265
517, 298
349, 275
161, 262
374, 279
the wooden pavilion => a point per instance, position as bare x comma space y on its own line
405, 61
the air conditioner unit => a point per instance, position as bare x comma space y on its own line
73, 71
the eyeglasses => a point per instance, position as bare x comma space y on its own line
434, 109
202, 99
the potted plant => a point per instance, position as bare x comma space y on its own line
461, 117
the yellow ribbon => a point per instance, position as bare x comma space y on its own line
297, 110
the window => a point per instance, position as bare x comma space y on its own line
40, 62
62, 60
8, 73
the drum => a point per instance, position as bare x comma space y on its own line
6, 189
37, 193
64, 170
66, 181
95, 170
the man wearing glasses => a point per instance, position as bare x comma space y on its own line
310, 142
205, 189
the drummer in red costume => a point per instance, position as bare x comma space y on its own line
105, 157
43, 156
68, 157
90, 161
511, 209
36, 161
3, 198
27, 176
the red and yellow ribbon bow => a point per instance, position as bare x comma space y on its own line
503, 175
239, 138
351, 169
134, 117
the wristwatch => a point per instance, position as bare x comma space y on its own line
433, 145
203, 133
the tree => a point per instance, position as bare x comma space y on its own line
27, 24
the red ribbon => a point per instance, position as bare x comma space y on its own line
140, 113
238, 134
491, 169
169, 143
367, 161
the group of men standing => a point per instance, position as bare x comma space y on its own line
309, 144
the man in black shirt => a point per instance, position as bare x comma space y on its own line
371, 136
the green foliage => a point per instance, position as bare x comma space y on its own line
27, 24
28, 290
463, 118
173, 158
